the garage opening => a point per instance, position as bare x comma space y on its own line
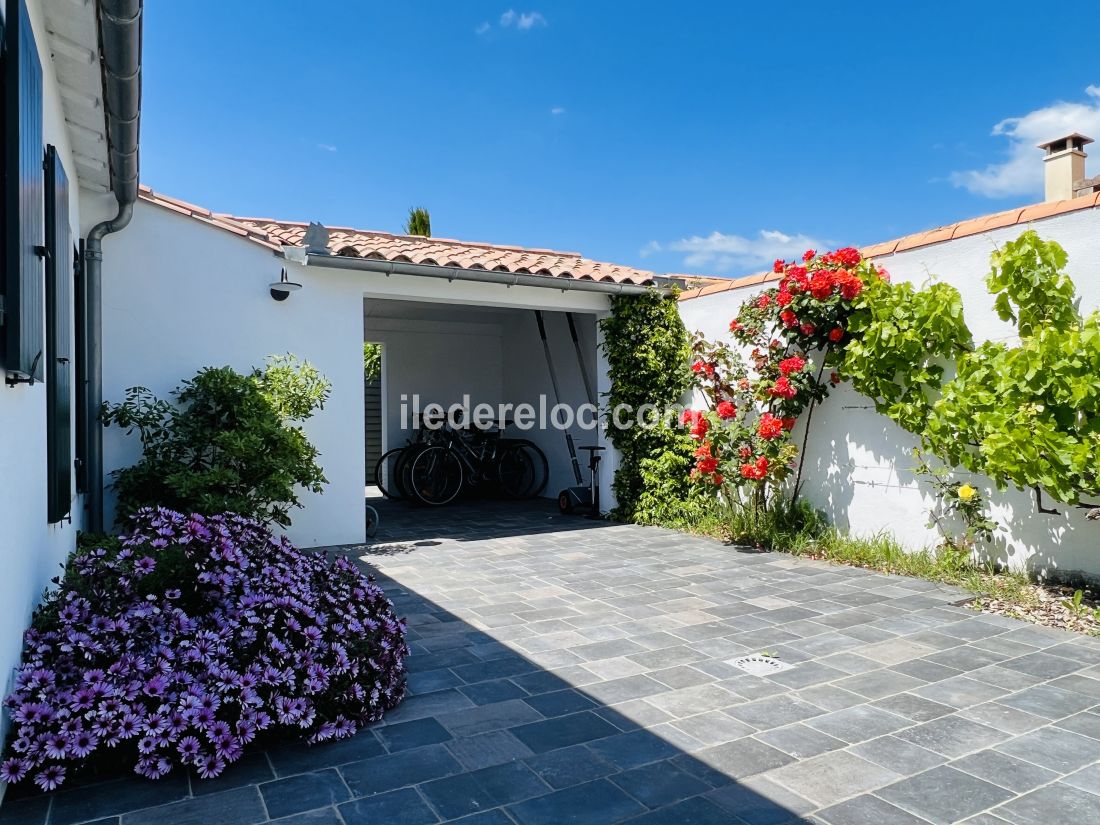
469, 360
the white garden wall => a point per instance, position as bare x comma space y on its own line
859, 463
31, 550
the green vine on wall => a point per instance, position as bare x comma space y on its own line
647, 352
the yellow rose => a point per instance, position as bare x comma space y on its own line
966, 492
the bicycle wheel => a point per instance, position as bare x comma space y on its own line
435, 476
515, 471
386, 477
540, 475
402, 471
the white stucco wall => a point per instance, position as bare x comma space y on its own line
179, 296
859, 463
31, 550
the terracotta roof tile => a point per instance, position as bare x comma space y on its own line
448, 252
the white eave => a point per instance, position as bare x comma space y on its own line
73, 37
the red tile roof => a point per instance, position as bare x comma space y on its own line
962, 229
361, 243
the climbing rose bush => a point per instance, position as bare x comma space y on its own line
789, 334
188, 640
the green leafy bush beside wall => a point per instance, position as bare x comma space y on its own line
1028, 414
227, 444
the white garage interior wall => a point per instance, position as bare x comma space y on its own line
859, 463
467, 355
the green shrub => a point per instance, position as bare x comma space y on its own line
647, 352
226, 445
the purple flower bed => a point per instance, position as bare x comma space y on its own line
192, 637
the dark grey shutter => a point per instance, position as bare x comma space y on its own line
23, 287
59, 362
80, 367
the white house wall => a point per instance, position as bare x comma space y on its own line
31, 550
859, 463
179, 296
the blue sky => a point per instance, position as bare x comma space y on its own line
678, 137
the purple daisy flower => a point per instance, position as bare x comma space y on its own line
51, 778
13, 770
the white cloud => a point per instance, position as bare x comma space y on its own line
558, 110
483, 27
720, 253
326, 147
1022, 172
522, 20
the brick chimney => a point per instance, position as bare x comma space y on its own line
1064, 167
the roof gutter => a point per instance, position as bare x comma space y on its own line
120, 48
454, 273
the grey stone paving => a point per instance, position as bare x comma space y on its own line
566, 671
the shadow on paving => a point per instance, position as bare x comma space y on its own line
570, 671
485, 737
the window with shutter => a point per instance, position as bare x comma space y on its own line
59, 313
23, 296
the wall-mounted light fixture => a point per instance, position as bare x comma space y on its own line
282, 288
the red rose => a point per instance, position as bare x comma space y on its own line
791, 365
836, 334
883, 274
783, 297
735, 325
808, 329
769, 427
788, 423
783, 388
745, 451
848, 256
726, 410
809, 254
822, 283
834, 378
718, 479
788, 318
706, 466
697, 366
757, 469
764, 300
777, 267
687, 416
700, 427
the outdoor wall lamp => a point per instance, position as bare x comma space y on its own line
282, 288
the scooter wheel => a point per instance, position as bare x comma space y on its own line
565, 503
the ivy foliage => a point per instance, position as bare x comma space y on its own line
227, 444
901, 341
372, 361
1028, 414
647, 350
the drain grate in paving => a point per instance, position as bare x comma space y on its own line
760, 665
